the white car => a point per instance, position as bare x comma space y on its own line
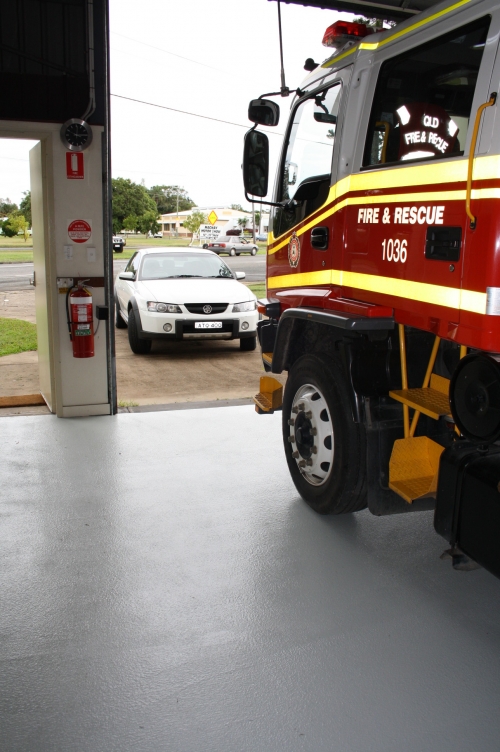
182, 293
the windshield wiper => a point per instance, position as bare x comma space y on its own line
218, 276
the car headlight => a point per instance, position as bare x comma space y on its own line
163, 307
251, 305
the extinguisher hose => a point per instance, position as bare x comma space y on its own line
68, 316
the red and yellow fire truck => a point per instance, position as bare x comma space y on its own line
383, 273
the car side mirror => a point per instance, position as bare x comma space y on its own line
240, 275
256, 163
264, 112
127, 275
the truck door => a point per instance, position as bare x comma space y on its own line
406, 224
303, 238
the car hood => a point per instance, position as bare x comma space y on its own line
195, 291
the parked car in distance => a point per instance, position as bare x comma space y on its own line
181, 293
233, 246
158, 235
261, 236
118, 243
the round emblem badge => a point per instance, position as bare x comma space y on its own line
207, 309
294, 250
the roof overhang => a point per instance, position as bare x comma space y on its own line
391, 10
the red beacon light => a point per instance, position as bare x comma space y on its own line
343, 33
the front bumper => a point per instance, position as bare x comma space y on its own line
151, 326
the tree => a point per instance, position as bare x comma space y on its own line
7, 207
375, 23
243, 221
192, 223
257, 219
237, 207
131, 223
147, 222
25, 207
165, 198
15, 224
129, 199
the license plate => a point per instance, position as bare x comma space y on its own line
208, 324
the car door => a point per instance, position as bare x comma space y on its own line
301, 253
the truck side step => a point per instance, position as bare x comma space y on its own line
414, 467
433, 400
270, 397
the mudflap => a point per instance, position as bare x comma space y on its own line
467, 511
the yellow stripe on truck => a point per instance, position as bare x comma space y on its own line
449, 297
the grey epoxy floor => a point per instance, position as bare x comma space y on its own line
164, 589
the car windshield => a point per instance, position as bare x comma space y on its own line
184, 265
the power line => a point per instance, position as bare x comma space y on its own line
184, 112
162, 49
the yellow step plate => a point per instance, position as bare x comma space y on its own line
268, 357
414, 467
270, 397
431, 402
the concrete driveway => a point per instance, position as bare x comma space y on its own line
189, 371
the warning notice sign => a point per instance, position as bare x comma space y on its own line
79, 230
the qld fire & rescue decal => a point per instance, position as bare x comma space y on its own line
294, 250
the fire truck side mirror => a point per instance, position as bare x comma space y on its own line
256, 163
264, 112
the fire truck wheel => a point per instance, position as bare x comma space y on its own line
138, 346
325, 449
119, 322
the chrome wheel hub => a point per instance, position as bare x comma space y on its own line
311, 435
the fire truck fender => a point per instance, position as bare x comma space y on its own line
290, 345
344, 323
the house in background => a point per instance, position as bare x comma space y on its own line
227, 219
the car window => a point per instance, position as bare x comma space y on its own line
423, 100
179, 265
133, 264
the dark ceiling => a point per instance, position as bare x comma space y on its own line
391, 10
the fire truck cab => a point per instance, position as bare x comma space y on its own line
383, 273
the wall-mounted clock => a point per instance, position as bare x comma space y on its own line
76, 134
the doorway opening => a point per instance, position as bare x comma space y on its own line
20, 391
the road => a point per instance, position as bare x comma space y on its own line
17, 276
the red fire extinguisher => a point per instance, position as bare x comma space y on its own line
80, 320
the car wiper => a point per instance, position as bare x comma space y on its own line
219, 276
180, 276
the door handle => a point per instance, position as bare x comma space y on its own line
319, 238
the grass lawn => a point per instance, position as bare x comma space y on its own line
258, 289
16, 242
15, 257
17, 336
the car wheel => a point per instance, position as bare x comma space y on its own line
138, 346
205, 245
237, 254
325, 449
253, 251
232, 252
248, 344
119, 322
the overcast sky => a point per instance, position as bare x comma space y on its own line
233, 56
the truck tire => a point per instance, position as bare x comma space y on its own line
327, 457
119, 322
138, 346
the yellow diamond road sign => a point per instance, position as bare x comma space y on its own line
212, 217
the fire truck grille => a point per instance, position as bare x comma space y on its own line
206, 309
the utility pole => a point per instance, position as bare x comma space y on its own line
253, 222
177, 223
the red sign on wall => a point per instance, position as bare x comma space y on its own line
74, 165
79, 230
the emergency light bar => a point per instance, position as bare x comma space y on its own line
341, 32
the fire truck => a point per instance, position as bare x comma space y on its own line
383, 271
